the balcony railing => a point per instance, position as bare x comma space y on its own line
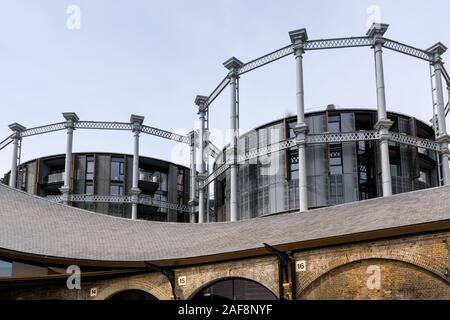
148, 176
55, 177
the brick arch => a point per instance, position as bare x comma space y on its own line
155, 284
263, 271
423, 262
198, 290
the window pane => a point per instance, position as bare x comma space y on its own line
89, 189
116, 190
336, 170
163, 182
334, 127
334, 124
89, 168
335, 161
5, 268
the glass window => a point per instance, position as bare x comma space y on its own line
5, 268
334, 123
89, 188
163, 182
234, 289
89, 168
117, 169
116, 190
293, 164
180, 180
335, 159
395, 162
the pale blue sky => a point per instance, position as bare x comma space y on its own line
153, 57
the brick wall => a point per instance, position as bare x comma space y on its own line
411, 267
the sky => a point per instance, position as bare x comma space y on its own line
152, 58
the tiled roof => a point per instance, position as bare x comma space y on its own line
33, 225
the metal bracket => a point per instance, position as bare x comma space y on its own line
286, 271
169, 273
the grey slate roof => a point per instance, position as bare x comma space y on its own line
33, 225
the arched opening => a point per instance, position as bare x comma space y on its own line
234, 289
132, 295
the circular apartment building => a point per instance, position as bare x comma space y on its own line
336, 172
100, 182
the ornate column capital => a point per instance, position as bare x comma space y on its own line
17, 129
71, 118
233, 64
436, 51
298, 38
301, 131
377, 31
136, 122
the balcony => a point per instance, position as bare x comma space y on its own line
53, 182
148, 182
56, 177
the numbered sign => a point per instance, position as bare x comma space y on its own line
182, 281
300, 265
93, 292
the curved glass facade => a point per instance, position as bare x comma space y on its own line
336, 172
110, 174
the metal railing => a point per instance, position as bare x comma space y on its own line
55, 177
124, 199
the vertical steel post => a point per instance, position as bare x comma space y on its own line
383, 124
233, 65
201, 101
298, 38
193, 176
201, 195
441, 136
136, 122
17, 129
71, 119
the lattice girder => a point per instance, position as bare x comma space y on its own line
43, 129
6, 142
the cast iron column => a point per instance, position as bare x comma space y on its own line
383, 124
298, 38
441, 136
201, 101
71, 119
136, 122
193, 199
233, 65
17, 129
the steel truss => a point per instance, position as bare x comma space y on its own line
343, 136
217, 91
213, 176
6, 142
165, 134
406, 49
149, 201
446, 76
143, 199
268, 58
98, 125
213, 150
321, 44
415, 141
337, 43
103, 125
43, 129
320, 139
